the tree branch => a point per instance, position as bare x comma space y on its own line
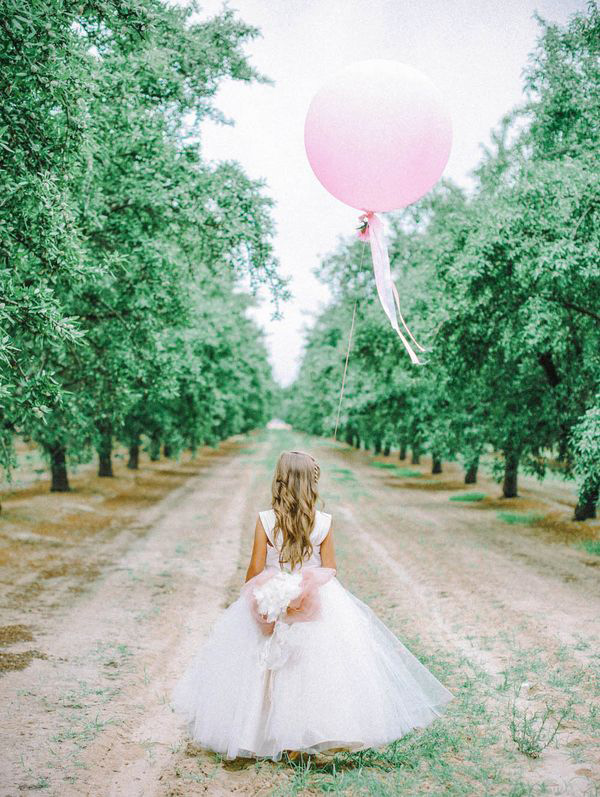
571, 306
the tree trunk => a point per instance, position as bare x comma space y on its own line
167, 451
586, 505
58, 468
194, 442
416, 455
104, 453
349, 435
387, 447
155, 447
471, 472
436, 464
134, 454
402, 452
377, 446
357, 442
511, 470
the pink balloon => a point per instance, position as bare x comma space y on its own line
377, 135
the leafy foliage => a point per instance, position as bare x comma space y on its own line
122, 252
503, 286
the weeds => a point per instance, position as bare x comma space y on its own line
529, 732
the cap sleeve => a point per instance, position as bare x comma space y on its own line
325, 525
267, 522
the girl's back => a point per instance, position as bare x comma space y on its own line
318, 534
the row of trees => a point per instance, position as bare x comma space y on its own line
502, 286
122, 252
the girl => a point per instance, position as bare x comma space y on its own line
298, 663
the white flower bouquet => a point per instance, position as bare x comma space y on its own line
279, 600
274, 596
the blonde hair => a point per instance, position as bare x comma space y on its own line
294, 499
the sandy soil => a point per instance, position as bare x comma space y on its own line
108, 590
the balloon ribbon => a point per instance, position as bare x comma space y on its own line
371, 229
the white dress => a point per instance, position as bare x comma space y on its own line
348, 682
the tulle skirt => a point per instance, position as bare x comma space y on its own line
342, 680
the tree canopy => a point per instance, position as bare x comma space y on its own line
503, 288
127, 262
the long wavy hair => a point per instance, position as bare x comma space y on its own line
294, 499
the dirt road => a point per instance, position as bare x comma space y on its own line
109, 590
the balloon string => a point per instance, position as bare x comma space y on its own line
337, 420
403, 322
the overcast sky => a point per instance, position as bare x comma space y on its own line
473, 51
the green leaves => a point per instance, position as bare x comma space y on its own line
121, 251
503, 288
585, 441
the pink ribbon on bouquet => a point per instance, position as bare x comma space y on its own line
371, 230
303, 605
306, 606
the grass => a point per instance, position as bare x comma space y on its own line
373, 770
466, 751
468, 497
590, 546
83, 734
522, 518
76, 698
336, 445
480, 746
342, 474
397, 470
407, 473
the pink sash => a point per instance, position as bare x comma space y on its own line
278, 599
305, 606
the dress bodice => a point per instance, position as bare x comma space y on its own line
317, 535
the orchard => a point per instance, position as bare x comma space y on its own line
502, 287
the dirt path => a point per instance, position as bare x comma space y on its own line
91, 717
488, 606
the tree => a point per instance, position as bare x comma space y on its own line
586, 444
502, 287
128, 222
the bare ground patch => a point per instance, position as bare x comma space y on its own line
505, 614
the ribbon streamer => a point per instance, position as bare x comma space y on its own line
371, 229
279, 646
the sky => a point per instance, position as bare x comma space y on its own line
473, 50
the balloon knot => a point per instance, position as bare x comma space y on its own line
363, 229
